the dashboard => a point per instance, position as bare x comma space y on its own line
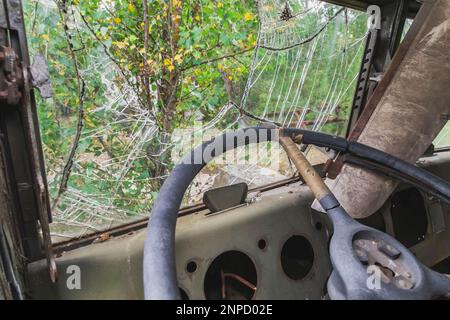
273, 246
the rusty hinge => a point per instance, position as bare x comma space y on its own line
11, 76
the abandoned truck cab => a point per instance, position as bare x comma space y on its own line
355, 203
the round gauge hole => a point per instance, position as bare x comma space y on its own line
262, 244
191, 267
318, 226
297, 257
231, 276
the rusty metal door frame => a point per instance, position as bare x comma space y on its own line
20, 139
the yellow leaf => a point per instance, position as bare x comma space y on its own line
119, 44
117, 20
45, 37
167, 62
197, 17
178, 58
248, 16
220, 5
89, 122
220, 66
230, 77
171, 68
75, 2
131, 7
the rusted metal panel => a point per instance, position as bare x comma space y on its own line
12, 264
21, 137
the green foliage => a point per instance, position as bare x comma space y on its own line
182, 34
182, 37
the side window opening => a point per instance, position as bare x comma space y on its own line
443, 139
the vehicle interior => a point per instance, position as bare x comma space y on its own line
283, 240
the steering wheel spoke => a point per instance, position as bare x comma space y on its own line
367, 263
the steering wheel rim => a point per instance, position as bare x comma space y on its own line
160, 281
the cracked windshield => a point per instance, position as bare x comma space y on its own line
136, 84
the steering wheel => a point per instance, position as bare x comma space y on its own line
367, 263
